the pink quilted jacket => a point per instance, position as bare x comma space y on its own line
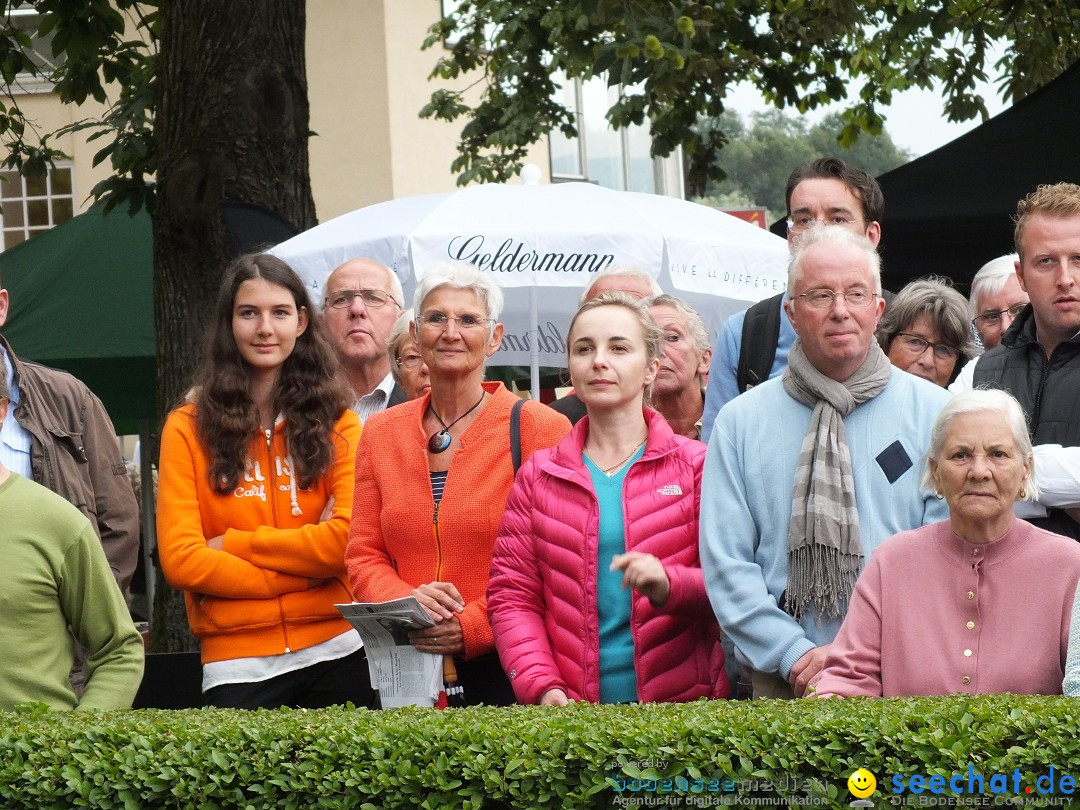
542, 593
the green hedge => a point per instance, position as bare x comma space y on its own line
770, 753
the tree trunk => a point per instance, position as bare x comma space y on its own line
231, 125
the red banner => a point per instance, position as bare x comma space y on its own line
755, 216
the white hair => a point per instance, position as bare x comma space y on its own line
694, 324
627, 271
461, 276
991, 279
832, 236
984, 400
395, 283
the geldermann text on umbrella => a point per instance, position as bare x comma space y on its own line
512, 256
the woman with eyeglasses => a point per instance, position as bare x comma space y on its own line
406, 364
924, 331
432, 476
254, 498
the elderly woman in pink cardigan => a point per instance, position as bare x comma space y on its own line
979, 603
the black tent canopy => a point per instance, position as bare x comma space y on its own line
950, 211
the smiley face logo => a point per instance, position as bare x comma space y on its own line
861, 783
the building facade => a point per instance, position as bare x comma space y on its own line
367, 81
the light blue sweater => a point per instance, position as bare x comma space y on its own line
724, 369
746, 504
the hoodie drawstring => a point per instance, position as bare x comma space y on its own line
296, 510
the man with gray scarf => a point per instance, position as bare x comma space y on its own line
808, 473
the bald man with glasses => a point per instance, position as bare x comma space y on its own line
362, 302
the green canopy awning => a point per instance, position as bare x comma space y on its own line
82, 299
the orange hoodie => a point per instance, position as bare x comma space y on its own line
252, 597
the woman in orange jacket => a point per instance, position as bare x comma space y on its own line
255, 493
432, 476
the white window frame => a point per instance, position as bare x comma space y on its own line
667, 179
24, 82
31, 229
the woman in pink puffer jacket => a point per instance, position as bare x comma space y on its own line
596, 590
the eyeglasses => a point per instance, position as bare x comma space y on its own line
823, 299
439, 320
411, 362
992, 317
804, 222
371, 298
917, 345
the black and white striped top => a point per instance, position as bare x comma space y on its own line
438, 484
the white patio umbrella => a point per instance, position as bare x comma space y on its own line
544, 243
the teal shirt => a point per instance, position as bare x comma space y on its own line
618, 680
56, 576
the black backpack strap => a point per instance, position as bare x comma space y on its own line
515, 434
760, 336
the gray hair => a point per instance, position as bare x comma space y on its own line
992, 278
935, 298
833, 236
461, 276
399, 333
627, 271
395, 283
984, 400
694, 324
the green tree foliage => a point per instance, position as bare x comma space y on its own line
682, 56
760, 155
218, 114
97, 52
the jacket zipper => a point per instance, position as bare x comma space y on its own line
1036, 411
272, 486
438, 540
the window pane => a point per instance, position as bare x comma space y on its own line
566, 152
37, 212
36, 186
61, 181
40, 52
603, 144
62, 210
642, 168
13, 213
10, 185
47, 204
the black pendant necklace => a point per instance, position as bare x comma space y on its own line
439, 442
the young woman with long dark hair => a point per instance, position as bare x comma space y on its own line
255, 496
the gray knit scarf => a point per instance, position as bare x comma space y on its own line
824, 549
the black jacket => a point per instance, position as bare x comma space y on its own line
1048, 389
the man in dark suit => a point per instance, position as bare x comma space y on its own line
363, 299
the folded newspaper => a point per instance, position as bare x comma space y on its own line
403, 675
